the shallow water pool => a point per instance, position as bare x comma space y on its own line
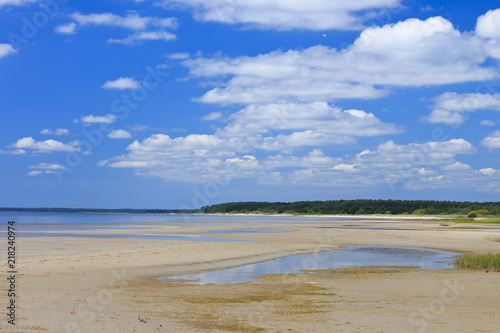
351, 256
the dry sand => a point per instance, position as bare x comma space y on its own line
68, 284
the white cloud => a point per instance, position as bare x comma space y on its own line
408, 53
255, 129
492, 141
144, 27
4, 3
487, 123
59, 131
212, 116
332, 124
119, 134
346, 168
448, 107
142, 36
47, 166
287, 15
122, 83
181, 56
488, 25
34, 173
91, 119
467, 102
6, 49
42, 146
456, 166
488, 171
132, 21
444, 117
66, 29
13, 152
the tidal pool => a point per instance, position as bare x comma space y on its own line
351, 256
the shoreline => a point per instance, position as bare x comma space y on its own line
60, 276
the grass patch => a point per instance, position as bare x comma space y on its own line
490, 220
444, 224
490, 262
211, 322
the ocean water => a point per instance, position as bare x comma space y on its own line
33, 224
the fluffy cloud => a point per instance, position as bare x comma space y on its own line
256, 129
451, 105
91, 119
119, 134
34, 173
66, 29
59, 131
408, 53
145, 28
492, 141
4, 3
286, 15
448, 107
331, 123
487, 123
6, 49
132, 21
488, 25
142, 36
47, 166
46, 146
122, 83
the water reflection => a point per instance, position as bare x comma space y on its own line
351, 256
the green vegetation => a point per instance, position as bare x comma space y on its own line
490, 220
490, 262
393, 207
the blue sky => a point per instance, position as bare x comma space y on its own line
183, 103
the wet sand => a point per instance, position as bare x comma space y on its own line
69, 284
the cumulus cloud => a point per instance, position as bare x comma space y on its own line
487, 123
47, 166
91, 119
4, 3
256, 128
66, 29
492, 141
34, 173
450, 106
122, 83
142, 36
119, 134
144, 27
59, 131
46, 146
408, 53
132, 21
286, 15
488, 25
6, 49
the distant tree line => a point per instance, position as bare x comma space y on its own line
357, 207
99, 210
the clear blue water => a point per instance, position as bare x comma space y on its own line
32, 224
351, 256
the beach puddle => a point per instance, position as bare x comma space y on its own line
351, 256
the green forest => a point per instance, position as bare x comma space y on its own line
358, 207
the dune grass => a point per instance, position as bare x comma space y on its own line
490, 262
467, 220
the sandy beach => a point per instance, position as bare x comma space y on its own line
73, 284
